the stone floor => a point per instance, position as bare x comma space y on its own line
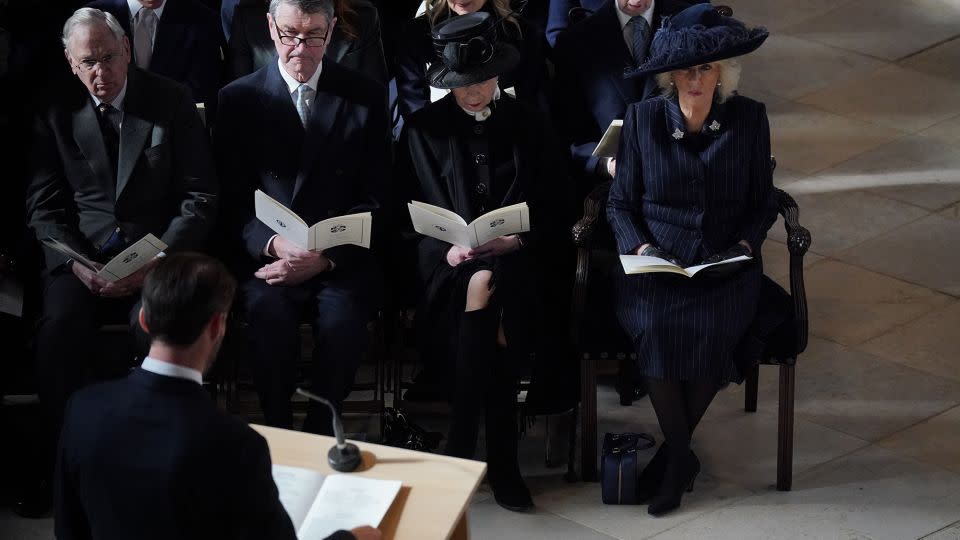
864, 105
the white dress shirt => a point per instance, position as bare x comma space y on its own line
624, 19
171, 370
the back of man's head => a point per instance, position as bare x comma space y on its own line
182, 294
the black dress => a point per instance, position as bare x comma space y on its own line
449, 159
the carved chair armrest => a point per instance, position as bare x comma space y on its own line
593, 205
798, 242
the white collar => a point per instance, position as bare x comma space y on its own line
171, 370
135, 6
117, 101
293, 84
485, 112
624, 18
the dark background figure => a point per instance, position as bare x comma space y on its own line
187, 42
355, 43
528, 79
473, 151
558, 16
591, 90
95, 184
693, 185
332, 160
150, 455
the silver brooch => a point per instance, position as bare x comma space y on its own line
714, 126
677, 134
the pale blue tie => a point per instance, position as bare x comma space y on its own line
304, 100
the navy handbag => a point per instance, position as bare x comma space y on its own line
619, 467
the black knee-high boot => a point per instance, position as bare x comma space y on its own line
503, 469
476, 354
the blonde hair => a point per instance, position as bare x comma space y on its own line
729, 80
437, 10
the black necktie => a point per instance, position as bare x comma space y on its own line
109, 128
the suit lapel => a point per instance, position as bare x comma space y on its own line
86, 133
134, 130
171, 32
326, 109
618, 55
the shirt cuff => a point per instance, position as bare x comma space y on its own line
266, 248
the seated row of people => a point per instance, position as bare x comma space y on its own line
125, 154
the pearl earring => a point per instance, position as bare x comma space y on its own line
718, 84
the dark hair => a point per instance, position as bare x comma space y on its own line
324, 7
182, 293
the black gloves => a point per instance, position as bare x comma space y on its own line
734, 251
654, 251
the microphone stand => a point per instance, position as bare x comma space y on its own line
344, 456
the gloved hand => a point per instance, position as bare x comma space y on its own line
731, 252
654, 251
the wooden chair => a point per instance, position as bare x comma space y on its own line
788, 341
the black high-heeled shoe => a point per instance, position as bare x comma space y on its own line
509, 490
678, 477
648, 484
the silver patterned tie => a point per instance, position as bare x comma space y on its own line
640, 38
146, 26
304, 101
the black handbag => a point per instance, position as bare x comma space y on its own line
398, 431
619, 467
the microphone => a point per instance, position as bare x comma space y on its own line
344, 456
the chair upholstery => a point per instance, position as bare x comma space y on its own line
599, 336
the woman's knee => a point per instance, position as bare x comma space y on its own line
479, 290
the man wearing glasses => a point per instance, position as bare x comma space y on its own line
121, 155
314, 136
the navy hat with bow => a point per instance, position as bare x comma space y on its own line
698, 35
469, 51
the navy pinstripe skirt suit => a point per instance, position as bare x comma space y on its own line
694, 195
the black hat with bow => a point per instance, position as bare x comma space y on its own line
469, 51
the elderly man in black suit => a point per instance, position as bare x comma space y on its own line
591, 57
121, 155
314, 136
179, 39
150, 456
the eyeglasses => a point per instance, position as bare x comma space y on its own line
107, 61
293, 41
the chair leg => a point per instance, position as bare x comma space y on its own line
785, 429
571, 475
588, 419
750, 392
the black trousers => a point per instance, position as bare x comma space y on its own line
338, 311
69, 350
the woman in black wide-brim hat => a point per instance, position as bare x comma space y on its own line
483, 310
693, 185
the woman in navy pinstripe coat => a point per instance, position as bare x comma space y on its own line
693, 184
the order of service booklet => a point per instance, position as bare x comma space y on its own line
127, 262
610, 142
350, 229
447, 226
639, 264
320, 505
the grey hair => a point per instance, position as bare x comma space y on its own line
323, 7
729, 80
90, 17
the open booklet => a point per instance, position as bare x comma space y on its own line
127, 262
639, 264
320, 505
350, 229
447, 226
610, 142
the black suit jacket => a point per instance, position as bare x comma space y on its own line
150, 456
251, 48
165, 181
188, 46
590, 89
337, 166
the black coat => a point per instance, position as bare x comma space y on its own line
693, 195
590, 89
435, 167
151, 456
250, 46
415, 51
